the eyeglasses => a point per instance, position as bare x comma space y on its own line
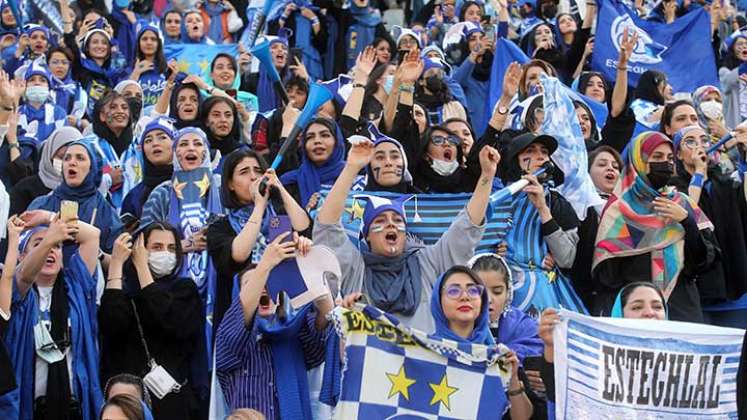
692, 143
454, 291
443, 140
59, 62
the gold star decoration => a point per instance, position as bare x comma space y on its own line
183, 65
138, 171
178, 188
203, 185
203, 65
356, 210
442, 392
400, 383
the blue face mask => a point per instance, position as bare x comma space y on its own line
122, 4
388, 83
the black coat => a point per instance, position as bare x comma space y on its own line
172, 319
25, 191
723, 201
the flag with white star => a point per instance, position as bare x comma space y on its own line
393, 371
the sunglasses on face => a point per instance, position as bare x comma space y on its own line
443, 140
454, 291
692, 142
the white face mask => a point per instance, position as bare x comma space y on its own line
161, 263
712, 110
443, 167
57, 165
37, 94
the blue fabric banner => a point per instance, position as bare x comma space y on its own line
196, 58
681, 49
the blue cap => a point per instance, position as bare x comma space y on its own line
32, 27
471, 28
681, 133
164, 124
377, 205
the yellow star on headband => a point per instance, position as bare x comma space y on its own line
400, 383
178, 187
442, 392
356, 210
203, 185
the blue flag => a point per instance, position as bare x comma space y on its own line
196, 58
394, 372
681, 49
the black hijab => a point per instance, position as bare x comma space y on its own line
120, 142
648, 87
225, 144
429, 180
174, 114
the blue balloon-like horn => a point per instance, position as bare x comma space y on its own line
262, 52
318, 95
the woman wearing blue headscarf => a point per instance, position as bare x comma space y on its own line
321, 160
308, 34
260, 83
67, 93
81, 177
52, 334
149, 64
459, 305
98, 67
187, 201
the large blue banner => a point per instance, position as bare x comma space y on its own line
681, 49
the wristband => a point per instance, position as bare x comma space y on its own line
515, 392
407, 88
315, 21
13, 145
358, 85
697, 180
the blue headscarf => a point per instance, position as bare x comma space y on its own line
215, 28
194, 196
166, 38
617, 308
304, 35
309, 177
480, 334
89, 199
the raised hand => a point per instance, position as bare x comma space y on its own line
299, 69
364, 64
16, 225
276, 252
411, 68
489, 159
122, 248
33, 218
627, 45
140, 253
511, 80
360, 154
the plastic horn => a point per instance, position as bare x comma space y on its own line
258, 23
506, 192
720, 143
262, 52
318, 95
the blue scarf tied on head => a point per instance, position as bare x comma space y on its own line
309, 177
288, 362
215, 30
480, 334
